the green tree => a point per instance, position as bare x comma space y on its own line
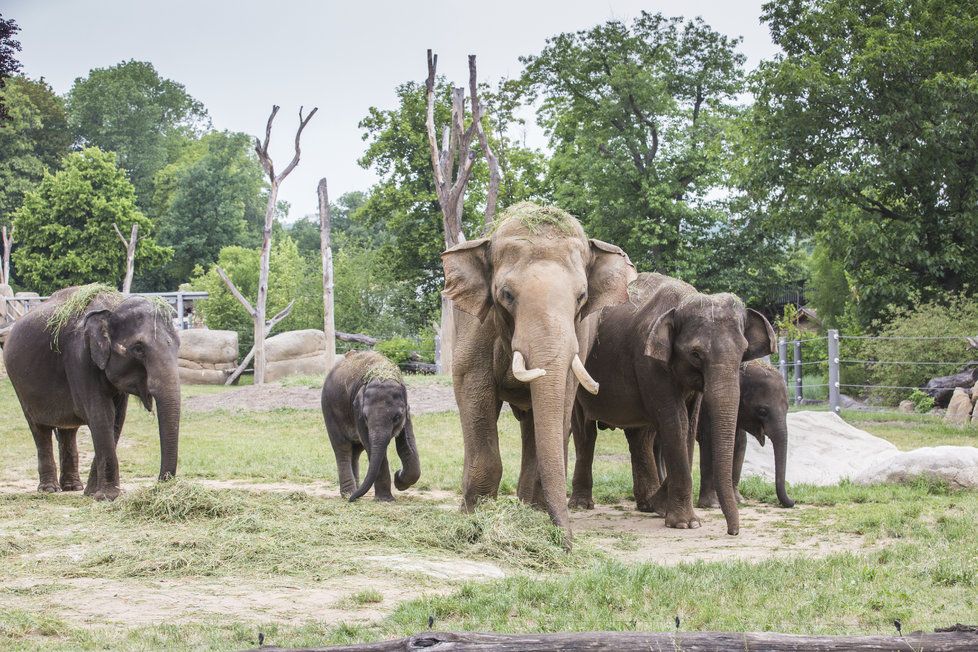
64, 227
638, 116
344, 230
9, 65
32, 142
211, 197
863, 132
129, 109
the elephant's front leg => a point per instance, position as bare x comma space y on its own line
585, 436
103, 480
382, 485
645, 474
47, 471
529, 489
68, 453
674, 497
478, 411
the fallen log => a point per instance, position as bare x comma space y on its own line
359, 338
958, 640
942, 387
413, 367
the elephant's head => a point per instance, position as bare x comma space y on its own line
136, 346
381, 409
764, 413
538, 276
703, 341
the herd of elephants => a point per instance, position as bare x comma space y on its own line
557, 325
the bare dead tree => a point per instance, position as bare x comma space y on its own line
130, 246
452, 163
325, 229
257, 311
8, 243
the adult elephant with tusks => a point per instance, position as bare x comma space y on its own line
75, 360
520, 296
365, 406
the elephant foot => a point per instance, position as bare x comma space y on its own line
48, 487
72, 485
660, 501
384, 498
580, 502
738, 497
708, 499
682, 520
646, 505
107, 493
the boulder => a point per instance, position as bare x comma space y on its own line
906, 406
294, 344
308, 365
942, 388
189, 364
202, 345
959, 408
955, 465
201, 376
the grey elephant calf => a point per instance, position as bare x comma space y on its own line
763, 411
365, 406
75, 360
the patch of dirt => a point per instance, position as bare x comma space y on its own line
766, 532
271, 396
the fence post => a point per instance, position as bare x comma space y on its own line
180, 310
799, 395
783, 359
834, 370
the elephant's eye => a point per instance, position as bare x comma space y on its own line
507, 295
697, 355
762, 412
581, 297
138, 349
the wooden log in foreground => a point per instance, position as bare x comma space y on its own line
953, 641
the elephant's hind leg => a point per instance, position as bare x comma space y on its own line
47, 471
645, 474
68, 454
585, 436
478, 412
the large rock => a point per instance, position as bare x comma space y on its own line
955, 465
308, 365
202, 345
201, 376
294, 344
906, 406
822, 450
959, 408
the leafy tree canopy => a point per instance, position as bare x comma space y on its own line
64, 227
9, 66
133, 111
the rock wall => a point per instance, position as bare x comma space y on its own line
295, 353
206, 356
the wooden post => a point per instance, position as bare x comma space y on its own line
452, 163
130, 246
257, 311
8, 243
325, 247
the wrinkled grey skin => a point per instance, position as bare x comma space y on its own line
667, 357
763, 413
364, 415
100, 358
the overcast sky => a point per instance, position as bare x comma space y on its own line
240, 57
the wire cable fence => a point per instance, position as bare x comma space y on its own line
823, 369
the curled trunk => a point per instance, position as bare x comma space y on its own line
378, 455
410, 461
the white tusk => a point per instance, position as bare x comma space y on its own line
520, 371
587, 382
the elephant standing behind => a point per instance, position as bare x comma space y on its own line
667, 356
365, 405
763, 412
75, 360
520, 296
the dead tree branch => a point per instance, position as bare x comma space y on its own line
130, 246
8, 243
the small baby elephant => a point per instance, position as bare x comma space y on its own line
365, 406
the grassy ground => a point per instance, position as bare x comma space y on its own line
917, 560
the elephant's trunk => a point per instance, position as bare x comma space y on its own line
410, 461
378, 455
720, 404
168, 415
779, 439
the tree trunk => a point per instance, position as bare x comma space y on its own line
325, 244
259, 316
8, 242
130, 246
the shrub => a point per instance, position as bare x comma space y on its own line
921, 402
397, 349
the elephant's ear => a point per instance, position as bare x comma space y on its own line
467, 277
759, 334
96, 327
608, 277
658, 345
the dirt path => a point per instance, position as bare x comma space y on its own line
421, 398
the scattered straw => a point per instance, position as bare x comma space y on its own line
373, 366
177, 500
536, 218
77, 303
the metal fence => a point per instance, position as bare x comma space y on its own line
12, 308
829, 364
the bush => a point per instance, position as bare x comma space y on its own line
952, 315
397, 349
921, 402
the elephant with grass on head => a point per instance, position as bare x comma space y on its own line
667, 357
520, 296
75, 360
365, 405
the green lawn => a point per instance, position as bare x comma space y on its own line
917, 557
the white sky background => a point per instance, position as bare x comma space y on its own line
239, 58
